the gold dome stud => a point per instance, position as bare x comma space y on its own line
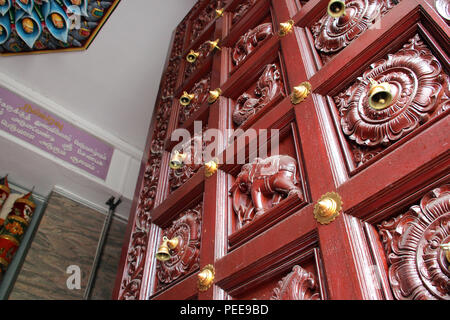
219, 13
214, 95
285, 28
211, 167
300, 92
214, 45
328, 208
206, 278
380, 95
336, 8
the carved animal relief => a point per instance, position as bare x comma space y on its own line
250, 41
420, 89
262, 184
297, 285
185, 257
242, 9
334, 34
268, 87
418, 268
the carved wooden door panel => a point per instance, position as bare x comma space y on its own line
331, 136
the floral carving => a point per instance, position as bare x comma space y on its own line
268, 87
250, 41
262, 184
201, 93
420, 88
203, 51
207, 15
418, 266
333, 34
297, 285
185, 257
242, 9
193, 151
137, 248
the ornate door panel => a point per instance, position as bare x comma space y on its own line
331, 137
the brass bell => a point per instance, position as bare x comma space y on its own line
446, 248
214, 45
163, 253
186, 98
177, 160
300, 92
286, 27
380, 95
219, 12
336, 8
214, 95
192, 56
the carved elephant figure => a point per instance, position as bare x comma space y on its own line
262, 184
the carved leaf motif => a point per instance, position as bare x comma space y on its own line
250, 41
333, 34
242, 9
418, 267
185, 258
297, 285
268, 87
420, 89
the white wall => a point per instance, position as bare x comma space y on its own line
108, 90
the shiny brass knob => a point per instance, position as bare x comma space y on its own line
380, 95
446, 248
219, 12
186, 98
192, 56
300, 92
328, 208
214, 45
214, 95
336, 8
206, 278
211, 167
286, 27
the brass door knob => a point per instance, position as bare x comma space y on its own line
206, 278
328, 208
211, 167
214, 45
214, 95
300, 92
219, 12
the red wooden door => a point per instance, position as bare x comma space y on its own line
257, 221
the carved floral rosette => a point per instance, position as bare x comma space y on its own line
185, 257
137, 250
297, 285
250, 41
268, 87
420, 88
201, 93
334, 34
418, 268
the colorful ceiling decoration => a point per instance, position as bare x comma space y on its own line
40, 26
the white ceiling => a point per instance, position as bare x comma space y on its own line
113, 84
